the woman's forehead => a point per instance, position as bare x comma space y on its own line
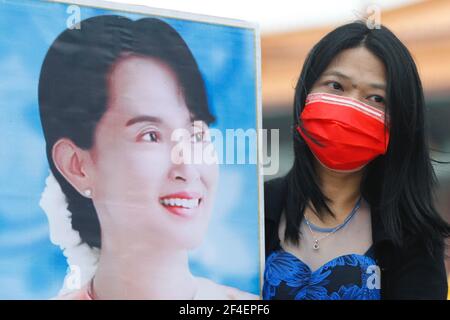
359, 65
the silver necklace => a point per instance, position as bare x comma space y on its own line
316, 245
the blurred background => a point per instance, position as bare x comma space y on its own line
289, 29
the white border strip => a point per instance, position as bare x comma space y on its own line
260, 168
347, 100
140, 9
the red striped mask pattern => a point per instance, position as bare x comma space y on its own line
350, 132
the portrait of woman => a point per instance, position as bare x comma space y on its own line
354, 218
110, 96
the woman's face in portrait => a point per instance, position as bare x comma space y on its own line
138, 191
355, 73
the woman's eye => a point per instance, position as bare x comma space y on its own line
377, 99
334, 85
151, 136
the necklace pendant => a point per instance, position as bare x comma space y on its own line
316, 245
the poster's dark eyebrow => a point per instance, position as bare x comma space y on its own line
143, 118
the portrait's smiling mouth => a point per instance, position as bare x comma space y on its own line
177, 202
182, 203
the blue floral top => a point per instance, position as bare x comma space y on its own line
348, 277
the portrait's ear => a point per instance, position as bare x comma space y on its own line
70, 161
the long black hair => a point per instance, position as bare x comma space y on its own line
73, 89
398, 185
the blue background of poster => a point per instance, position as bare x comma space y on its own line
31, 267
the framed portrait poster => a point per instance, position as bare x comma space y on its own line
129, 158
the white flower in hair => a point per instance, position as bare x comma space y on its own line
81, 258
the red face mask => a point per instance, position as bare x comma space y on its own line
351, 133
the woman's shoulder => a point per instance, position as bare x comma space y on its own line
275, 197
81, 294
277, 185
415, 271
210, 290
